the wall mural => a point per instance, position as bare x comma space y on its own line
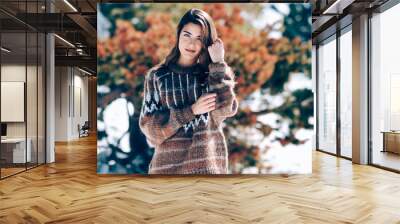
204, 88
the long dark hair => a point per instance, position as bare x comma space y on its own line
209, 32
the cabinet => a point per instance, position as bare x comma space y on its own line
391, 141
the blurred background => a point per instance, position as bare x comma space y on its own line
267, 45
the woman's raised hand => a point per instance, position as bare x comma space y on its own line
204, 104
216, 51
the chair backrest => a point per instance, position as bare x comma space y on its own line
86, 125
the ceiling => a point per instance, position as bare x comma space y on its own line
75, 21
72, 20
326, 14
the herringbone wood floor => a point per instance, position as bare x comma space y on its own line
70, 191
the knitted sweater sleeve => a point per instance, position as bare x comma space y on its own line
158, 122
221, 81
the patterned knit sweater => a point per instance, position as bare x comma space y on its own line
186, 143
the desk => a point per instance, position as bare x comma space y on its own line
15, 148
391, 141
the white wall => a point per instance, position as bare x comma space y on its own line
61, 103
12, 73
80, 110
71, 94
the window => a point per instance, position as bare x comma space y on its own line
346, 93
327, 96
22, 101
385, 89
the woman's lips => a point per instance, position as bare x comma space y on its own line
190, 51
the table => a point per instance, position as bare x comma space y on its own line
13, 150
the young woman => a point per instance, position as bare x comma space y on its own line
186, 98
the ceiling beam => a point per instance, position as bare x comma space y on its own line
320, 23
337, 7
81, 61
86, 26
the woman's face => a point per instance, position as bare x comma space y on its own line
190, 41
